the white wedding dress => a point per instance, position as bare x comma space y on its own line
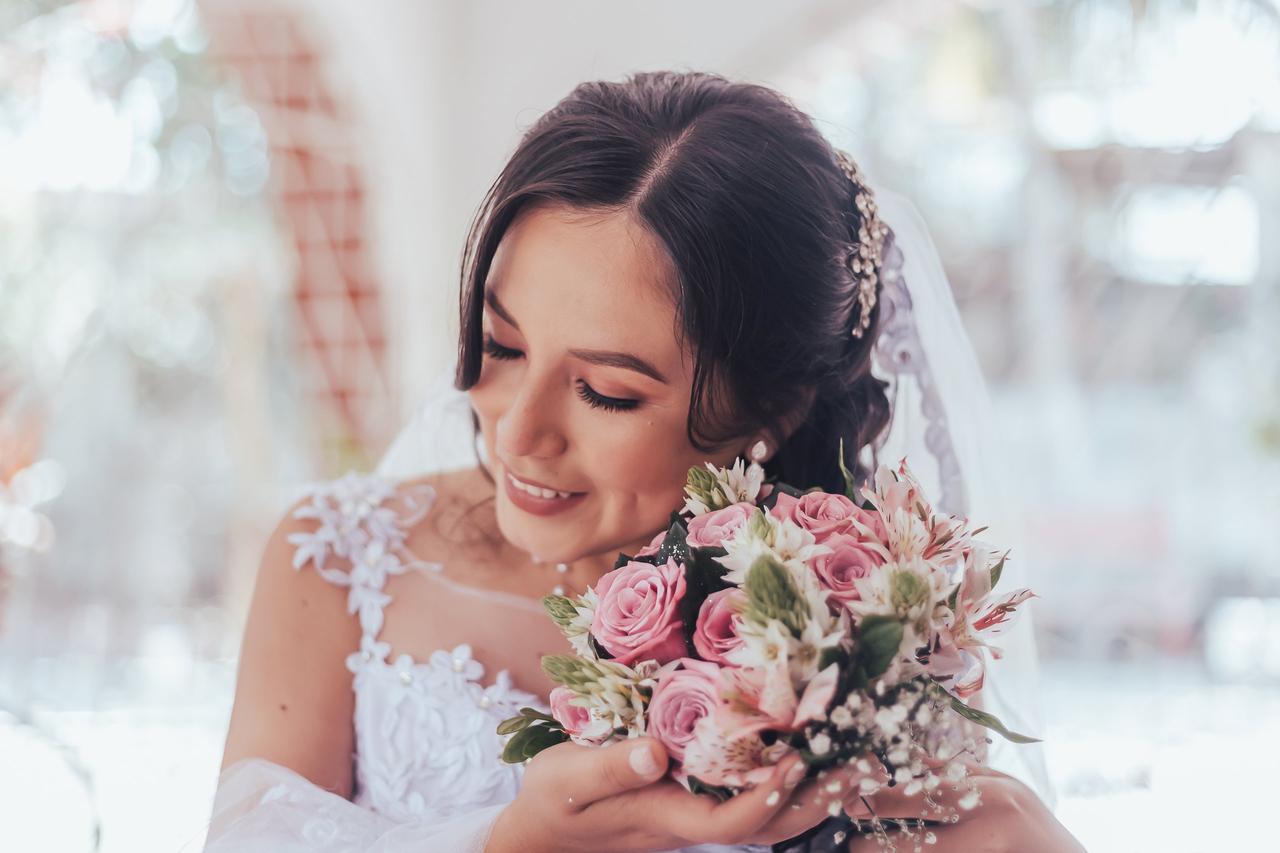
428, 771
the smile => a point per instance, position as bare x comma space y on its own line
537, 491
539, 500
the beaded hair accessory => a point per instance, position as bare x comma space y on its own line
865, 257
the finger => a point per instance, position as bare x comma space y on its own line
739, 817
810, 804
585, 775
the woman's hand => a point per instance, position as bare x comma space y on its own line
1010, 817
615, 799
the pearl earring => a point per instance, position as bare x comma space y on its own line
759, 451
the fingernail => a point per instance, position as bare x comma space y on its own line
642, 761
794, 775
772, 799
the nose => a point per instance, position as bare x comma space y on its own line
530, 426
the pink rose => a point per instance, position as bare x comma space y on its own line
575, 719
716, 633
681, 698
638, 617
848, 561
711, 529
824, 515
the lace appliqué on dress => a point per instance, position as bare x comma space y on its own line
359, 522
426, 736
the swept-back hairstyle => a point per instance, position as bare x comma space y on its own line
756, 216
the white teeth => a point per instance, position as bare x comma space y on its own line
535, 490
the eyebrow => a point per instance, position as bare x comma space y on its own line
604, 358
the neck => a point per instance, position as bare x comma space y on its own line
586, 570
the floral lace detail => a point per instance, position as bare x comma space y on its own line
426, 736
360, 522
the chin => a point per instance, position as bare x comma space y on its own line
543, 538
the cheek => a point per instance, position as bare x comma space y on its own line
643, 463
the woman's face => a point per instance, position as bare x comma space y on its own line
584, 387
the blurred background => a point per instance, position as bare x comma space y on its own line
230, 234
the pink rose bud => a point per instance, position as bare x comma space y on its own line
711, 529
825, 515
573, 718
848, 561
716, 633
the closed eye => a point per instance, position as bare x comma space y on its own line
599, 401
498, 351
588, 394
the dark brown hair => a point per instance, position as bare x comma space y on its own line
750, 204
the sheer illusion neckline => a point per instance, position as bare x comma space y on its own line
437, 574
365, 520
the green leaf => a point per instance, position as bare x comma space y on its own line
674, 545
850, 485
601, 652
990, 721
541, 737
710, 572
512, 725
856, 679
530, 741
535, 714
879, 638
720, 792
703, 575
829, 656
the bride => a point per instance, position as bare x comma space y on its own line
669, 270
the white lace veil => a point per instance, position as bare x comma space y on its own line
941, 423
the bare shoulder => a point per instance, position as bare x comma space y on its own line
293, 701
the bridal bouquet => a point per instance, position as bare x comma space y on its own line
767, 621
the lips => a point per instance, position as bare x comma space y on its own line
537, 500
525, 481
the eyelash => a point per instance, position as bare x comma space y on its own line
585, 391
